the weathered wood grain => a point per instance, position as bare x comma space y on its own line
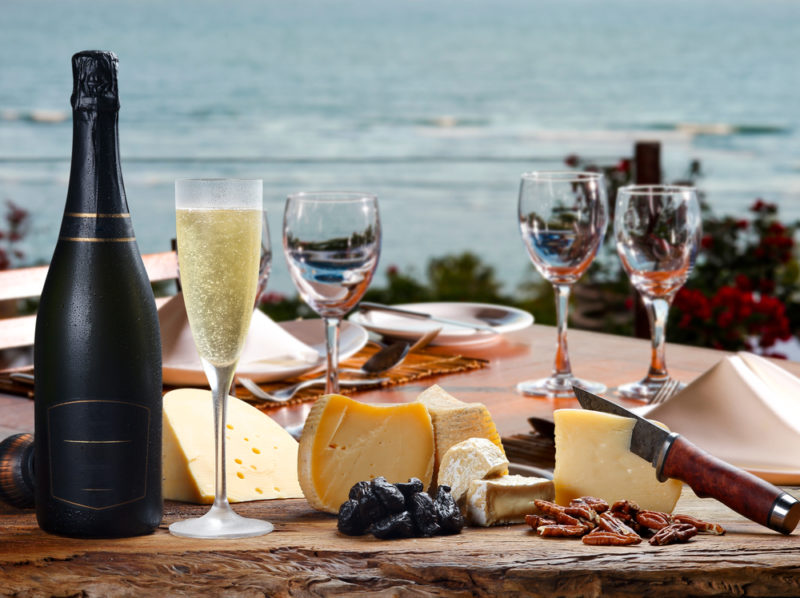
307, 557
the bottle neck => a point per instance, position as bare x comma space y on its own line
96, 208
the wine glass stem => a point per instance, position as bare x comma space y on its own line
657, 311
332, 349
220, 383
562, 366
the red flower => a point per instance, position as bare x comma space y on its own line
572, 160
707, 242
623, 166
392, 270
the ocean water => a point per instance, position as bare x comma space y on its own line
435, 105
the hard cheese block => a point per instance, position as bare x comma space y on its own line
261, 456
471, 459
506, 499
345, 441
455, 421
592, 459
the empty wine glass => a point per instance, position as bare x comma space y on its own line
332, 242
657, 230
219, 224
562, 218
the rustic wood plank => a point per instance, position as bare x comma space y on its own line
306, 556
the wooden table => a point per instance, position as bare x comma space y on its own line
305, 556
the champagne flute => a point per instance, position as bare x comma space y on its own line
219, 224
562, 218
657, 230
332, 242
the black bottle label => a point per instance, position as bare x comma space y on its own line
98, 452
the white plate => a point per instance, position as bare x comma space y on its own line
500, 317
353, 337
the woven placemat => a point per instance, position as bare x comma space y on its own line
417, 365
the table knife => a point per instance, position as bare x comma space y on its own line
673, 456
368, 306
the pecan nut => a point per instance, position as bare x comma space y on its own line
594, 503
702, 526
609, 523
654, 520
561, 531
601, 537
536, 520
557, 512
673, 533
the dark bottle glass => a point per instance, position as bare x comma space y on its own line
97, 352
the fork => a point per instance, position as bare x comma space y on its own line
284, 394
666, 391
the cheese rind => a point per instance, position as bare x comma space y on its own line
345, 441
506, 499
593, 459
455, 421
471, 459
260, 454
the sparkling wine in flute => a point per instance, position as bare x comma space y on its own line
219, 225
219, 259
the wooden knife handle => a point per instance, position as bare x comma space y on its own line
743, 492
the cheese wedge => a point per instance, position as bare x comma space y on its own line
455, 421
345, 441
260, 455
471, 459
506, 499
592, 459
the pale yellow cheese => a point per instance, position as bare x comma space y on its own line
455, 421
506, 499
592, 459
345, 441
471, 459
260, 455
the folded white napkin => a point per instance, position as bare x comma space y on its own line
744, 410
268, 347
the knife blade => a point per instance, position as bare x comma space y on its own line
369, 306
673, 456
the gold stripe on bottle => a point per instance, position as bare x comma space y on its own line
97, 239
92, 215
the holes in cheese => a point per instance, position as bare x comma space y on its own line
592, 459
344, 442
188, 451
455, 421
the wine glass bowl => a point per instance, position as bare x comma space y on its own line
562, 219
331, 240
657, 229
219, 231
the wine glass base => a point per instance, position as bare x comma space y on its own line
220, 522
643, 390
560, 387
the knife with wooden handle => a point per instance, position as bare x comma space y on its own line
673, 456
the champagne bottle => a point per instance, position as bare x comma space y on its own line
97, 351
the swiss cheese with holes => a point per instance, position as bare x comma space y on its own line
261, 456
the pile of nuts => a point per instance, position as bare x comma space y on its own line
592, 520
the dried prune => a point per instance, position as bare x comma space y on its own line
350, 521
392, 499
399, 525
423, 512
411, 487
450, 519
371, 507
359, 489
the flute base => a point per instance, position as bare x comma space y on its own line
645, 389
558, 387
220, 523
